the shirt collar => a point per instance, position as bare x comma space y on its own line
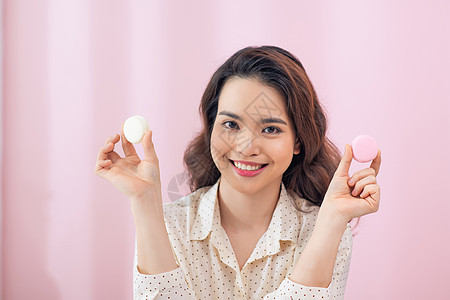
207, 214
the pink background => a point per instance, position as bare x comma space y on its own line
75, 70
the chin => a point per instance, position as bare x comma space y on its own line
246, 186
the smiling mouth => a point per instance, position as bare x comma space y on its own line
252, 168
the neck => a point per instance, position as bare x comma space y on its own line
244, 212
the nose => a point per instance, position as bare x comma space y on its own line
248, 143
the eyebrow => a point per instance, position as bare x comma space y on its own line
264, 121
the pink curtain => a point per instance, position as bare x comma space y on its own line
73, 71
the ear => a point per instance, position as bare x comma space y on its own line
297, 146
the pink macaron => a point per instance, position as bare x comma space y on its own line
364, 148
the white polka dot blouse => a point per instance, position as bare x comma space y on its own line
208, 268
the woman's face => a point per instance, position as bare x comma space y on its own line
252, 126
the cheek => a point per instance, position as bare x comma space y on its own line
281, 151
220, 147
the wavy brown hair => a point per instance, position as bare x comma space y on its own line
311, 171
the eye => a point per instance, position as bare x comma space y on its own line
231, 122
233, 125
273, 128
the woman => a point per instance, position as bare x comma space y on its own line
271, 200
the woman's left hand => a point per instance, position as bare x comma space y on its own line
355, 196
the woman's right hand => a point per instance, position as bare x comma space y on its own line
136, 178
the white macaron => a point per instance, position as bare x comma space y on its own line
135, 128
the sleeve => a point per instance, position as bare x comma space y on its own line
168, 285
289, 289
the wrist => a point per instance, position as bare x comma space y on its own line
149, 205
330, 218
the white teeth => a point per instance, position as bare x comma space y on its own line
247, 167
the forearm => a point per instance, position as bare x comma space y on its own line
154, 250
316, 263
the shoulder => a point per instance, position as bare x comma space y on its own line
179, 211
309, 220
184, 203
307, 211
308, 214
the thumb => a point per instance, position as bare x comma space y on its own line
149, 148
346, 161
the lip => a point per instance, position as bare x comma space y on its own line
247, 173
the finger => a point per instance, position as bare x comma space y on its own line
128, 148
371, 179
371, 193
102, 155
103, 164
360, 175
149, 148
112, 138
346, 161
376, 163
106, 152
